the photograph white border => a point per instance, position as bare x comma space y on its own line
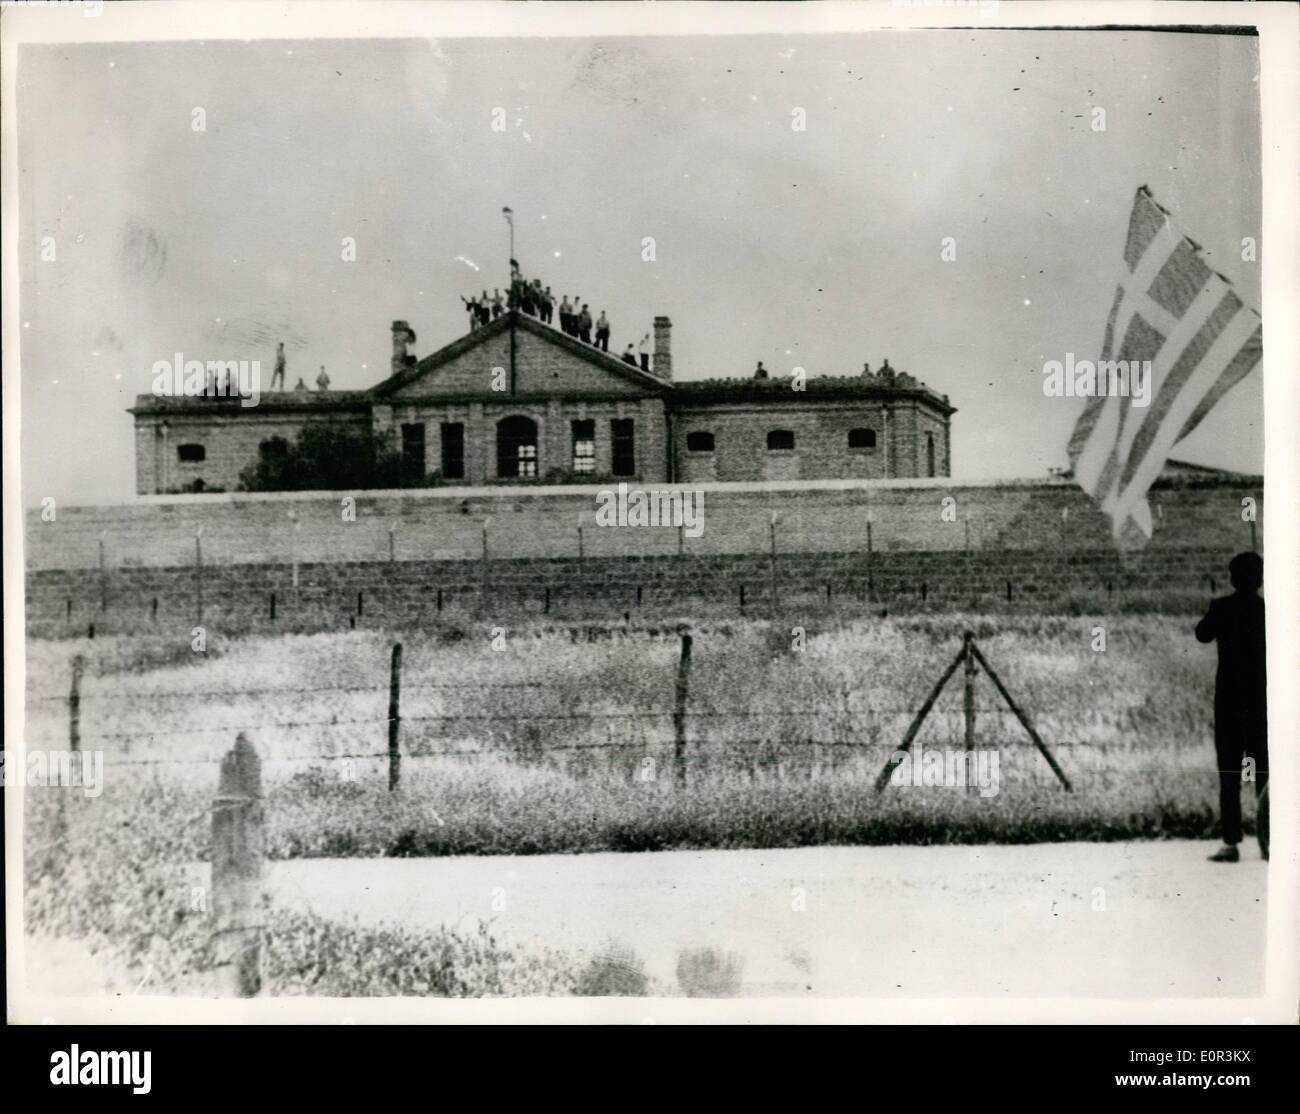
1278, 25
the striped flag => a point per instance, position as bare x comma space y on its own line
1201, 340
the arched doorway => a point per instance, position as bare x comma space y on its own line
517, 447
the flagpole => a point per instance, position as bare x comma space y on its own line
508, 213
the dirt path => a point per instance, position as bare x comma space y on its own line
1068, 919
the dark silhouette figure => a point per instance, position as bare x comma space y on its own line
1236, 623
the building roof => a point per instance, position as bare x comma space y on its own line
780, 389
887, 385
283, 401
522, 321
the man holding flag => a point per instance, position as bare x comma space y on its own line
1171, 309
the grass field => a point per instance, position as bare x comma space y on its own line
561, 740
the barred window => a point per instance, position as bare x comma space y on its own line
862, 439
780, 440
191, 454
584, 446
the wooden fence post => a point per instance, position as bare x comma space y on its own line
103, 577
238, 842
679, 709
74, 704
771, 568
395, 719
198, 574
871, 586
968, 706
1035, 738
293, 548
883, 777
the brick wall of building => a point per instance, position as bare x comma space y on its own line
229, 435
821, 441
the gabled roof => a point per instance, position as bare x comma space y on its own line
523, 323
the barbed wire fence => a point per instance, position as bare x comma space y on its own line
695, 733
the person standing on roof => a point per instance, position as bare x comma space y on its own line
548, 306
629, 357
471, 304
497, 300
643, 350
322, 380
602, 332
278, 373
566, 316
584, 325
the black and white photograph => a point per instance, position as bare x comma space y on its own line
633, 513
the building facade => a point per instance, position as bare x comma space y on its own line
520, 402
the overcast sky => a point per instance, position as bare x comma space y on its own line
818, 248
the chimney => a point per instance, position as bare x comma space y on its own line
663, 361
403, 335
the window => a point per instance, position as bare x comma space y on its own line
191, 454
412, 451
699, 441
862, 439
453, 450
623, 446
929, 454
517, 447
584, 446
780, 441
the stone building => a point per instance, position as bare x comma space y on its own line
518, 401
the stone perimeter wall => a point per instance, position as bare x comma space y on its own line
1022, 545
